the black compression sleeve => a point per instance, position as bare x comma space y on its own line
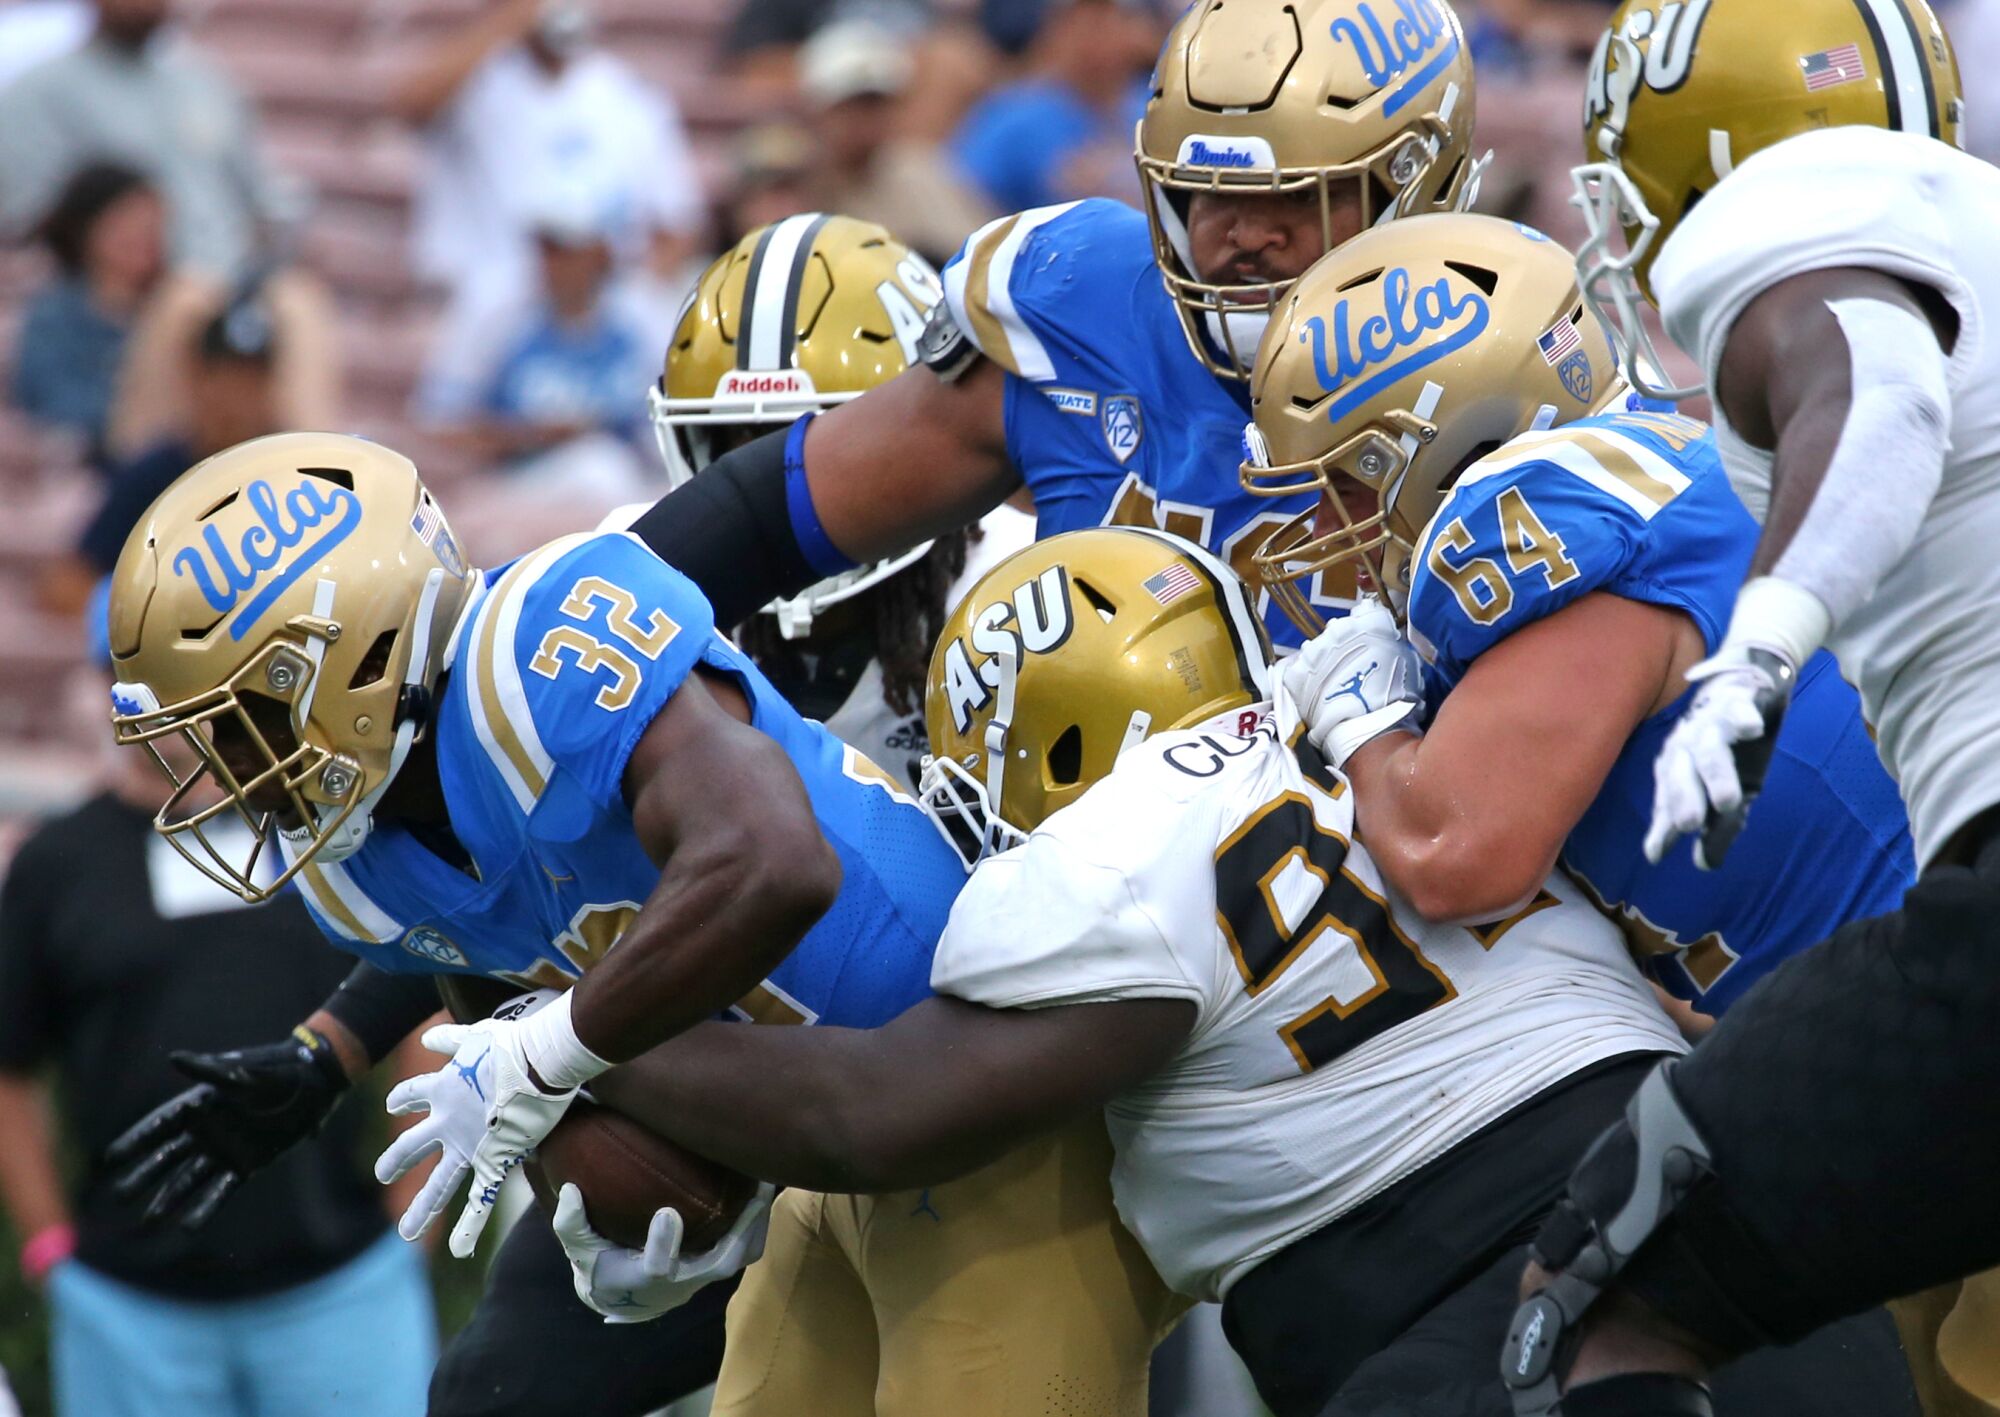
380, 1008
729, 531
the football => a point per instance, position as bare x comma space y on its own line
627, 1172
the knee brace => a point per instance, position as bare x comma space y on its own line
1627, 1183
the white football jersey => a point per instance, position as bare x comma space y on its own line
1339, 1042
1924, 651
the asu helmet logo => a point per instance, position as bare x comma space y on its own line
1035, 619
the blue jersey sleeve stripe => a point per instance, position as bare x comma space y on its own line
500, 714
332, 896
979, 285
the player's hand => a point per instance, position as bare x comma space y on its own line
1713, 763
633, 1286
1356, 680
248, 1107
487, 1109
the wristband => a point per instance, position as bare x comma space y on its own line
550, 1044
1779, 616
815, 545
45, 1249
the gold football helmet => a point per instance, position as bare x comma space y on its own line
1395, 361
1286, 97
1681, 91
284, 609
798, 316
1064, 655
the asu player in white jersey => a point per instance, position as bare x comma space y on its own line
800, 317
1095, 355
1783, 183
1334, 1118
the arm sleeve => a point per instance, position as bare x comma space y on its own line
602, 634
27, 1000
380, 1009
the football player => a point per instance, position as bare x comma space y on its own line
500, 773
799, 317
1094, 354
1332, 1116
1788, 191
1563, 557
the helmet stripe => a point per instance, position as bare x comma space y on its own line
788, 329
1906, 80
765, 341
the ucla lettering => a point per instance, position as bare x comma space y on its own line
1407, 322
1387, 53
223, 575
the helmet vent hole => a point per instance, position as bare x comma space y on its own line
375, 663
202, 632
875, 336
338, 475
1487, 281
1066, 757
218, 506
1363, 279
1099, 602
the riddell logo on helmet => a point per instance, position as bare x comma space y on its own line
740, 383
1206, 150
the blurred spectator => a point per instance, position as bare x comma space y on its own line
1532, 34
853, 75
552, 385
1065, 130
107, 234
765, 35
133, 96
34, 30
296, 1299
521, 97
774, 175
230, 370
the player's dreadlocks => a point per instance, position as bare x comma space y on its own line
908, 609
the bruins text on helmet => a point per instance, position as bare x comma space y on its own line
797, 317
1681, 93
1064, 655
1394, 363
283, 610
1294, 99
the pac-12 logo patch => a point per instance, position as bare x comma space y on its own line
1574, 372
433, 945
1123, 426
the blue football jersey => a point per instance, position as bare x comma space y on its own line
1637, 504
555, 672
1110, 417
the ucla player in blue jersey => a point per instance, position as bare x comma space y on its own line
1563, 554
1096, 355
505, 774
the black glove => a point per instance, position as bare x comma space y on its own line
249, 1106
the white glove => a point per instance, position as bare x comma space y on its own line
635, 1286
1712, 765
486, 1111
1356, 680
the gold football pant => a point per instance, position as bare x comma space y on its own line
1012, 1292
1951, 1335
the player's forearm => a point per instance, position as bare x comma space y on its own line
1451, 855
726, 912
828, 1109
371, 1012
437, 76
29, 1182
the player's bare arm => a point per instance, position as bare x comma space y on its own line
1786, 382
744, 873
915, 458
1468, 834
939, 1092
